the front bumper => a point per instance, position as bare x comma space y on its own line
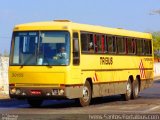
38, 92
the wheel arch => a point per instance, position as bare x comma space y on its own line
90, 82
131, 78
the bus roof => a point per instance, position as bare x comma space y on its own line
68, 25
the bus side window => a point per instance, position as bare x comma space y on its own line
90, 43
76, 55
95, 44
121, 45
106, 44
139, 45
134, 46
150, 46
111, 44
103, 43
87, 43
131, 46
99, 43
84, 42
147, 46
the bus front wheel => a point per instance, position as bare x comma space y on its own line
35, 102
87, 95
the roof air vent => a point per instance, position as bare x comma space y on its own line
61, 20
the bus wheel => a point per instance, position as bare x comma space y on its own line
127, 95
35, 102
135, 89
87, 95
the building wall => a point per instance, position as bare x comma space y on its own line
4, 62
157, 69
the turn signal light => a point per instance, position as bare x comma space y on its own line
11, 85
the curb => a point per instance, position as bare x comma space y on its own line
4, 96
156, 78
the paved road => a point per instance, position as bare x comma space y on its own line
147, 103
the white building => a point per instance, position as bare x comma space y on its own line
4, 63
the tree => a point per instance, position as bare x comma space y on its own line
156, 44
5, 54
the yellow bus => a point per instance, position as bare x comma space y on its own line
61, 59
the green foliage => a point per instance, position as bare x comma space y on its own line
156, 44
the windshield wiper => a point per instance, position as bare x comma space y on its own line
48, 64
21, 66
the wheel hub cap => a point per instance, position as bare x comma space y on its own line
85, 93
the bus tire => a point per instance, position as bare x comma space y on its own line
35, 102
87, 95
135, 91
127, 95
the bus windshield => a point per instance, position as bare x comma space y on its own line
40, 48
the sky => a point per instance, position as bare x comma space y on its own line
138, 15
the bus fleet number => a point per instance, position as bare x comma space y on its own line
17, 74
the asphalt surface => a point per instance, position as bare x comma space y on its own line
148, 102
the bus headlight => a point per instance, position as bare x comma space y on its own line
61, 92
48, 94
12, 90
58, 92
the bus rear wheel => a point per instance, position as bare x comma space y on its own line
127, 95
135, 89
35, 102
87, 95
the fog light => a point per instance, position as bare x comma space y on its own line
61, 92
48, 94
13, 90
